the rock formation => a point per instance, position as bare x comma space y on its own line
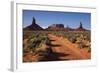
53, 27
33, 26
56, 27
80, 28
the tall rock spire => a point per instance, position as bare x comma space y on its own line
33, 21
81, 25
33, 26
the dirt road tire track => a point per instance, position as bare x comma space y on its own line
67, 47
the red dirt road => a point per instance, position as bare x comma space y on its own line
59, 49
68, 50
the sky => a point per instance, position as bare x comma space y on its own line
47, 18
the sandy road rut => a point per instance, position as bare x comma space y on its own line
66, 49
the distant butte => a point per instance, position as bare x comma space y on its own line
56, 27
60, 27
